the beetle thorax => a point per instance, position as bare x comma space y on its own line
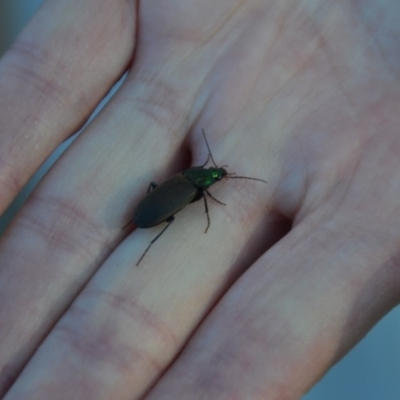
204, 177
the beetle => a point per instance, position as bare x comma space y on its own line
163, 201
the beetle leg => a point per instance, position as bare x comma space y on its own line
170, 220
208, 217
220, 202
206, 206
152, 185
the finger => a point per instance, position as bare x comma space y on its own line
295, 313
73, 220
53, 76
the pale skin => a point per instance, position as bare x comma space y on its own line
304, 94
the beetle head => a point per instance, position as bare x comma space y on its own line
218, 173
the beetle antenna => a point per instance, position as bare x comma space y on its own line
246, 177
209, 150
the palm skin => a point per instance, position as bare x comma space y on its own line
289, 276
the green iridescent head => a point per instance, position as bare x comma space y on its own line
217, 173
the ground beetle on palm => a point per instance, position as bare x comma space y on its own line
162, 202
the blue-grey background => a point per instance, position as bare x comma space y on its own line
372, 369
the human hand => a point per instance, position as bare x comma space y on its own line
303, 95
